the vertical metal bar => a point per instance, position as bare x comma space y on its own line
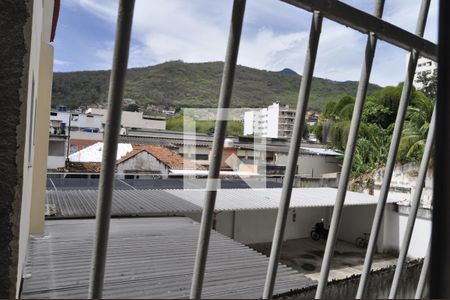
112, 127
415, 203
294, 148
219, 136
396, 135
349, 153
440, 238
423, 274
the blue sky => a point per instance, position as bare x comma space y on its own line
274, 37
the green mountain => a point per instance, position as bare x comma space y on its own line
182, 84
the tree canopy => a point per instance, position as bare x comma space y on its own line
377, 124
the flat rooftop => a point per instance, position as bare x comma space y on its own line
147, 258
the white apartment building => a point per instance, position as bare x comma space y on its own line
275, 121
424, 66
77, 121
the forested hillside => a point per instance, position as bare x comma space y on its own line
196, 85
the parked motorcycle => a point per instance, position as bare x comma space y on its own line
319, 231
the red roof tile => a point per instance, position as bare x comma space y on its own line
171, 159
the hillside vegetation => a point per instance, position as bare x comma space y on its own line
182, 84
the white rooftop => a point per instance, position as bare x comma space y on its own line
322, 151
82, 203
205, 173
253, 199
94, 152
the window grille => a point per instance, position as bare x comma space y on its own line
375, 28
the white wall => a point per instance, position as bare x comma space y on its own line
142, 161
41, 27
394, 232
79, 120
257, 226
262, 122
273, 116
314, 165
248, 122
54, 162
356, 220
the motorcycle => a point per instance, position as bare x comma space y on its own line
319, 231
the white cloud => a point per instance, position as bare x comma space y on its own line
60, 62
273, 38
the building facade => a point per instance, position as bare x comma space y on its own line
27, 53
275, 121
426, 67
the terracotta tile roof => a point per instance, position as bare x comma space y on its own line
166, 156
79, 167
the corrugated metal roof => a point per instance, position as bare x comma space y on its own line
82, 203
252, 199
147, 258
151, 184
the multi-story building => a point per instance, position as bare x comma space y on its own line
424, 66
275, 121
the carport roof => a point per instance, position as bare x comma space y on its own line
253, 199
82, 203
147, 258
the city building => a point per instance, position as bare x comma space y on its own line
133, 120
426, 67
275, 121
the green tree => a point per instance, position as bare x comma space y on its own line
132, 107
429, 84
415, 131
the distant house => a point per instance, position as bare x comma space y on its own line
133, 161
145, 160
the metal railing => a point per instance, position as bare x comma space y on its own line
375, 28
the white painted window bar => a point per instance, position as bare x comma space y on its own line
375, 28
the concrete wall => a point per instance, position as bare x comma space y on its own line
57, 147
78, 121
40, 37
248, 122
43, 101
257, 226
356, 220
26, 27
394, 232
312, 165
403, 184
378, 286
56, 156
305, 182
54, 162
15, 24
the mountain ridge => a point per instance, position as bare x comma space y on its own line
180, 84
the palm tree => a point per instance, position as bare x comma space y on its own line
415, 130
